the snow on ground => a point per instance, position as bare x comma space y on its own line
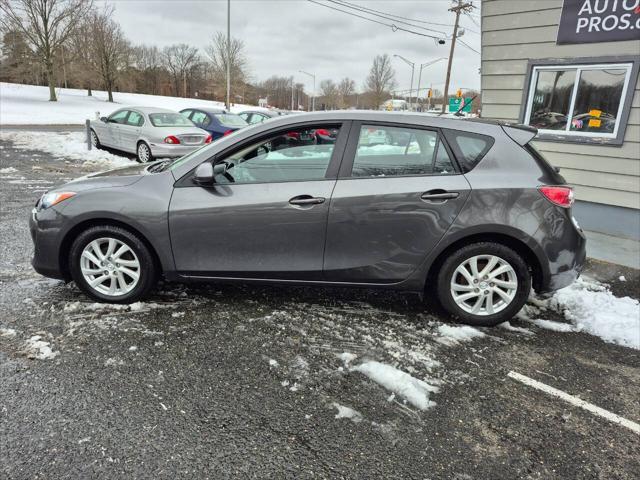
29, 104
593, 309
413, 390
65, 145
35, 347
453, 335
346, 412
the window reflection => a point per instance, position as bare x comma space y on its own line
598, 100
552, 99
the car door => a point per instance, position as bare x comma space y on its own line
397, 194
130, 131
111, 134
265, 216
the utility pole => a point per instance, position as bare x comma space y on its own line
229, 55
422, 66
292, 93
456, 9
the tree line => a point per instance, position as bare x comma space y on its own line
78, 44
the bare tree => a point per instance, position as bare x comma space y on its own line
180, 60
46, 26
235, 57
329, 91
346, 88
381, 79
149, 63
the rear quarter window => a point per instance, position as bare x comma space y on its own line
469, 148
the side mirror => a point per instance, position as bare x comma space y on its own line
104, 119
204, 174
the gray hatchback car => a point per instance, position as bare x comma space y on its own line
466, 210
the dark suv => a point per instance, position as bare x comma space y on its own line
465, 210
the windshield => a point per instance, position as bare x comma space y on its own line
169, 120
231, 120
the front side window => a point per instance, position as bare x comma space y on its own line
119, 117
230, 120
396, 151
290, 156
200, 118
169, 120
580, 100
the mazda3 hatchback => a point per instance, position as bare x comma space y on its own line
465, 211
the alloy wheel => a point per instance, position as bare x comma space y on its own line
143, 152
110, 266
94, 139
484, 285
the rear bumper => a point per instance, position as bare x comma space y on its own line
565, 248
171, 151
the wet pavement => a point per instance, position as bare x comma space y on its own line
209, 381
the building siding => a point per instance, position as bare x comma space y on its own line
513, 32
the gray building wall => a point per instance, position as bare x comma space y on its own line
606, 178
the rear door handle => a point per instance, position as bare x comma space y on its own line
440, 196
306, 200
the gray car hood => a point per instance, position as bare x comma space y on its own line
119, 177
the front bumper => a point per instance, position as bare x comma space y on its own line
162, 150
45, 237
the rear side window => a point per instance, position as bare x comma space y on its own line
469, 148
385, 151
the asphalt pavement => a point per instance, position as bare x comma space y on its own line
210, 381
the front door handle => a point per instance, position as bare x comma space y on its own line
306, 200
439, 196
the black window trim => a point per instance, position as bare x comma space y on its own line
568, 62
332, 170
459, 155
346, 167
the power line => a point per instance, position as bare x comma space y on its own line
394, 27
398, 16
369, 12
468, 46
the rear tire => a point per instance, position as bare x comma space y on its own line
483, 284
143, 153
104, 256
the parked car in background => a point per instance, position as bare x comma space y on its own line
326, 135
466, 211
217, 122
148, 132
259, 116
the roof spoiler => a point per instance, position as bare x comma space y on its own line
521, 134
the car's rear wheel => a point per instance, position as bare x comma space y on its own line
110, 264
144, 153
484, 284
95, 141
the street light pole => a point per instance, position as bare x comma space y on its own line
313, 99
413, 66
229, 55
424, 65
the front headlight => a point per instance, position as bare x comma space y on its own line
53, 198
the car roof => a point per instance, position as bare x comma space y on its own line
210, 110
148, 110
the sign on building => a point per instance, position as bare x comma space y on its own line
590, 21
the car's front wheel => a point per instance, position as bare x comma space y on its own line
95, 141
144, 153
484, 284
111, 264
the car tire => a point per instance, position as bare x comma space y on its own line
473, 297
95, 141
143, 153
121, 266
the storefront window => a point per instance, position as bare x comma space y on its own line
581, 100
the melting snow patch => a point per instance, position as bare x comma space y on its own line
112, 362
592, 308
273, 363
622, 278
555, 326
35, 347
346, 412
8, 170
7, 332
451, 335
413, 390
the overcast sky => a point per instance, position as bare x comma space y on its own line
284, 36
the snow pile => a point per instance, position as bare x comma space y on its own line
452, 335
592, 308
29, 104
413, 390
346, 412
37, 348
65, 145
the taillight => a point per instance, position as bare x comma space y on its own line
322, 131
208, 139
295, 135
228, 132
559, 195
172, 140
